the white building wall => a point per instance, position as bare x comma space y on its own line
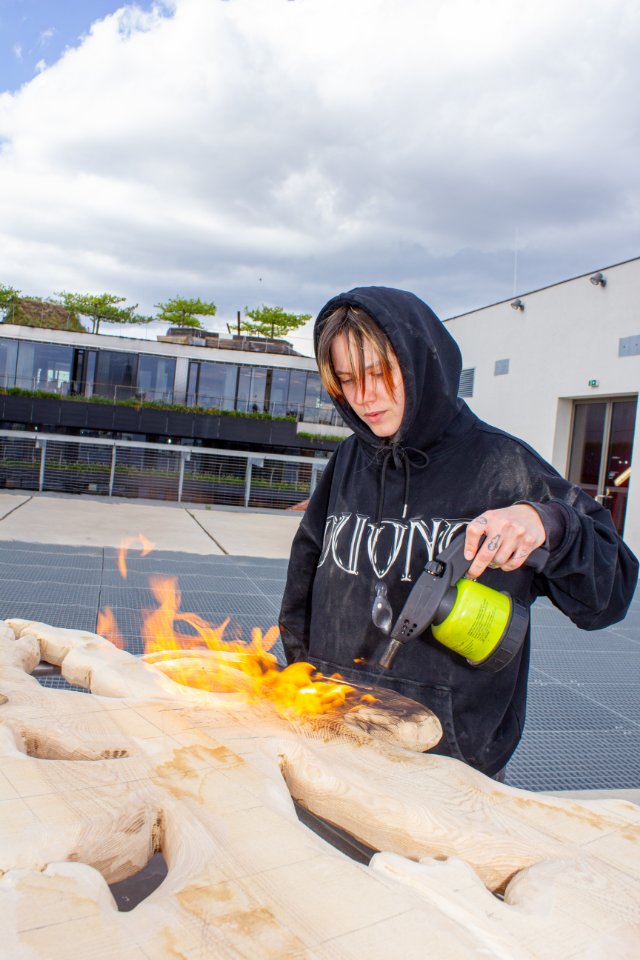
567, 335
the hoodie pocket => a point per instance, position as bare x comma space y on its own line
436, 698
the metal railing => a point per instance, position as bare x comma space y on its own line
154, 471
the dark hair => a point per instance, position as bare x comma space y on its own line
358, 328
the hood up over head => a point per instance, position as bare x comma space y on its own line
429, 359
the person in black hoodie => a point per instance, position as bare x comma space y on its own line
420, 468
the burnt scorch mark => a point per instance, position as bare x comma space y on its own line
158, 831
385, 700
382, 711
135, 824
118, 754
44, 745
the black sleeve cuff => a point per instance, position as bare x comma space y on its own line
554, 521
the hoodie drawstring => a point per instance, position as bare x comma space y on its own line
401, 457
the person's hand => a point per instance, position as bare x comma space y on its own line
511, 534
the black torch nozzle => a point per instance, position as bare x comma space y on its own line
389, 654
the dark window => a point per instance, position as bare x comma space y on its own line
312, 398
243, 398
586, 453
155, 378
214, 386
252, 382
192, 383
90, 371
44, 366
327, 412
601, 452
258, 388
8, 361
297, 391
277, 392
116, 375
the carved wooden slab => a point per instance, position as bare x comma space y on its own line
92, 785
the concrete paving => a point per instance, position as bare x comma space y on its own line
107, 522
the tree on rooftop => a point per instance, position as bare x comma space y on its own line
181, 312
272, 322
101, 308
8, 300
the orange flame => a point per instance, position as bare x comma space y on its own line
146, 545
204, 659
108, 628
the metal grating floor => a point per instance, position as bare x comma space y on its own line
583, 723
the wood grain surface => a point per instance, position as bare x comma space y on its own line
92, 785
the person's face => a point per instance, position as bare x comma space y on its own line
374, 404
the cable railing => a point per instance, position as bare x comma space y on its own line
154, 471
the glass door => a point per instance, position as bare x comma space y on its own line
601, 449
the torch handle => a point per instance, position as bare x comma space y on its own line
458, 565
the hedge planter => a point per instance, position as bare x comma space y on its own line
257, 432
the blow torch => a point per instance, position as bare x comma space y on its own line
484, 625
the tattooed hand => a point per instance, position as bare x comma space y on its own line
511, 534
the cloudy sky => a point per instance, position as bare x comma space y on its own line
280, 151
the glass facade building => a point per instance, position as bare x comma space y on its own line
127, 375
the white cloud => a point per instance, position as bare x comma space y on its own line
17, 51
46, 36
320, 144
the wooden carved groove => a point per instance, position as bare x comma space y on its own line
91, 785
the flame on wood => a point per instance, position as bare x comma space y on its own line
205, 658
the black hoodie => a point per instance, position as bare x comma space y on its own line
384, 507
